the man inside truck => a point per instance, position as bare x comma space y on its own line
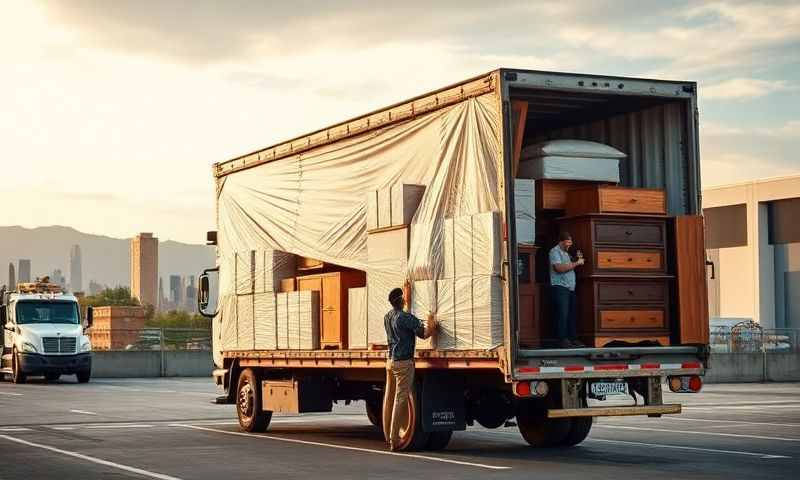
562, 281
402, 328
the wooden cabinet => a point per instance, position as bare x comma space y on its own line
612, 199
531, 331
552, 194
333, 287
690, 270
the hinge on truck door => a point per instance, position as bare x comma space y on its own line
571, 393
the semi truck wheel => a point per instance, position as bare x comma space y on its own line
248, 403
375, 412
412, 436
17, 375
438, 440
52, 377
537, 429
83, 377
578, 431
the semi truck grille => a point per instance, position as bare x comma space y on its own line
59, 344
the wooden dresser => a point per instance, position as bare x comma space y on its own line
624, 287
332, 288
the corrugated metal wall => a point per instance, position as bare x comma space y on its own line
655, 140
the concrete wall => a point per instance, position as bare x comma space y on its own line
749, 367
110, 364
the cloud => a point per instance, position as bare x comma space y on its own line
789, 130
745, 88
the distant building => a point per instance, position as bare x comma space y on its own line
95, 288
75, 269
175, 294
161, 300
191, 294
144, 268
57, 277
12, 277
753, 240
24, 271
115, 328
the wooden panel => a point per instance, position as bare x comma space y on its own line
691, 284
305, 263
309, 283
603, 341
632, 200
629, 260
631, 319
330, 329
531, 332
552, 194
331, 288
519, 109
631, 292
629, 233
288, 285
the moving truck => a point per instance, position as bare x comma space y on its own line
455, 196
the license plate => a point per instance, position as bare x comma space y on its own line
609, 388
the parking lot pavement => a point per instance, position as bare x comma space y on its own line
169, 428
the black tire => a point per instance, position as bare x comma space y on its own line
52, 377
248, 403
84, 377
375, 412
438, 440
538, 430
17, 375
578, 431
415, 437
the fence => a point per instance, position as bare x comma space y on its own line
749, 337
150, 339
748, 353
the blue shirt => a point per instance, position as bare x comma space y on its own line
566, 279
401, 330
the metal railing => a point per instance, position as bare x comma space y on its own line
150, 339
749, 337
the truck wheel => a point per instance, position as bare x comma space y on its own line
438, 440
578, 431
412, 436
248, 403
17, 375
538, 430
52, 377
83, 377
375, 412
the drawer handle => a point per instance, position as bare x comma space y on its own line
628, 233
630, 259
633, 200
630, 292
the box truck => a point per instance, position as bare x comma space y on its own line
456, 196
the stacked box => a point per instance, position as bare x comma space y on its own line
357, 318
487, 311
308, 320
525, 210
282, 320
394, 206
462, 318
423, 301
470, 313
245, 326
387, 255
472, 245
244, 273
379, 285
265, 321
293, 313
272, 266
446, 335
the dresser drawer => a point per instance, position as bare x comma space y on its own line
632, 200
630, 292
629, 233
631, 319
637, 260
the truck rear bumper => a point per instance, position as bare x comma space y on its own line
33, 363
615, 411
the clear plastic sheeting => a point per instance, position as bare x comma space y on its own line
571, 148
315, 204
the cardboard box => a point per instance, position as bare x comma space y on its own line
266, 328
282, 320
487, 312
357, 318
405, 199
462, 313
487, 244
388, 250
272, 266
525, 210
244, 319
423, 301
446, 335
308, 320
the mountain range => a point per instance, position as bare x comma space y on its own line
105, 260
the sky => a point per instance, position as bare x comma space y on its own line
113, 112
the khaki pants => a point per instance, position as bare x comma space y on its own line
399, 382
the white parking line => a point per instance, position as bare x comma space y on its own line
681, 447
120, 426
83, 412
98, 461
736, 422
345, 447
12, 394
14, 429
690, 432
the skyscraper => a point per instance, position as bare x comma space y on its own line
12, 277
57, 277
24, 270
175, 290
75, 269
144, 268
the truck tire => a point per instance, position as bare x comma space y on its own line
375, 412
83, 377
248, 403
17, 375
438, 440
537, 429
52, 377
413, 437
578, 431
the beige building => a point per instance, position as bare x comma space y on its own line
753, 240
144, 268
115, 328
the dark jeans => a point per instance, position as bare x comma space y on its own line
564, 312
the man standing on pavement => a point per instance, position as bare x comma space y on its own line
401, 330
562, 281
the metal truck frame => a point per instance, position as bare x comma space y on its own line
545, 389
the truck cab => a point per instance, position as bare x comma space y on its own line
43, 334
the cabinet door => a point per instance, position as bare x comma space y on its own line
331, 292
331, 331
313, 283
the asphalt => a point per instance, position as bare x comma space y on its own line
168, 428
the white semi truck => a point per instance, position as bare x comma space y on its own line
43, 334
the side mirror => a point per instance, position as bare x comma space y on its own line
89, 316
204, 303
2, 315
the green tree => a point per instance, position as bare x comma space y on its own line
118, 296
178, 319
